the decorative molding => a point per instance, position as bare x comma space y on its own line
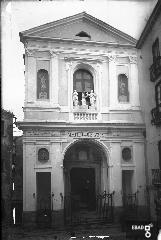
83, 59
91, 134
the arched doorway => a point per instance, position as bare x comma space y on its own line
85, 174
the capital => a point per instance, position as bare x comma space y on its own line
68, 65
53, 54
29, 52
111, 58
133, 59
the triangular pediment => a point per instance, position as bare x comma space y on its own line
81, 26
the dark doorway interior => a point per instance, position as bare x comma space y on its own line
83, 187
43, 180
127, 176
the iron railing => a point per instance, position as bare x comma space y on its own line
105, 206
103, 212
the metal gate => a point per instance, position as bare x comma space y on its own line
130, 203
73, 214
104, 206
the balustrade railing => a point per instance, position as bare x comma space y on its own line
85, 116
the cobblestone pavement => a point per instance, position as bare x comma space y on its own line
86, 232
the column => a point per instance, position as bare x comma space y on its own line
134, 93
54, 80
112, 81
31, 77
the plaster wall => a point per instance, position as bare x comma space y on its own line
29, 181
61, 84
147, 96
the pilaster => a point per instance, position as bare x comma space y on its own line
112, 81
135, 101
30, 76
57, 177
70, 83
54, 78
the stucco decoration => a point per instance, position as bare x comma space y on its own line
43, 155
126, 154
112, 58
123, 94
53, 54
42, 84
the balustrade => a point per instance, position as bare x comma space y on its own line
84, 109
85, 116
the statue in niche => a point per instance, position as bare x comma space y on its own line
83, 100
75, 98
92, 97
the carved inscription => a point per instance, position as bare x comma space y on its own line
87, 134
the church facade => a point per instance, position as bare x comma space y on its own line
83, 127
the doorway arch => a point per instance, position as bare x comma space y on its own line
86, 170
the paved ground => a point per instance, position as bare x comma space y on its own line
81, 232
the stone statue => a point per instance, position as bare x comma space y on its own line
75, 98
92, 97
83, 100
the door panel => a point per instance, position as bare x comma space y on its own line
43, 180
83, 186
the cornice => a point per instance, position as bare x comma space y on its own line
151, 21
77, 41
61, 125
84, 59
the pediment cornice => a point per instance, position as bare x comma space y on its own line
34, 33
